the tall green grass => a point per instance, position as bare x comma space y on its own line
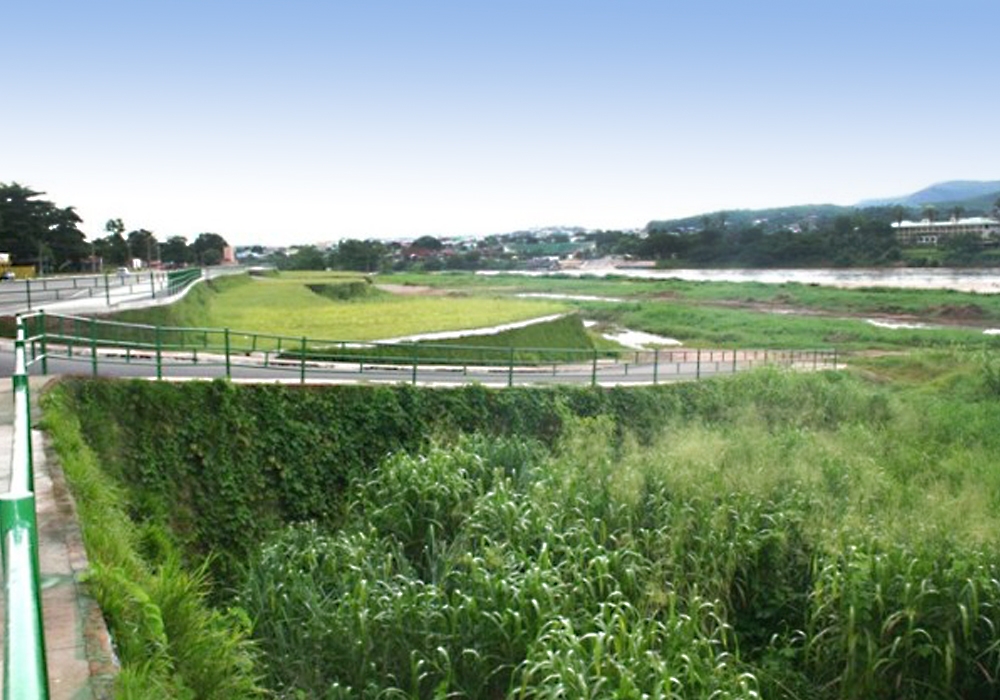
780, 536
772, 534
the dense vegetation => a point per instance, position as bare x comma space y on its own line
797, 536
38, 232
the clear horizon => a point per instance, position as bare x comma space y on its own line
317, 121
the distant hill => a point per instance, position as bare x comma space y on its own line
954, 192
770, 219
975, 197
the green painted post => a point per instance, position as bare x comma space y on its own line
697, 373
42, 334
25, 668
107, 290
152, 285
835, 358
656, 365
593, 370
416, 360
510, 367
159, 354
93, 346
27, 291
302, 362
734, 362
225, 335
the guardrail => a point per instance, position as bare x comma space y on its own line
107, 290
25, 672
98, 346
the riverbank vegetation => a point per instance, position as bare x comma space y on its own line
773, 534
698, 314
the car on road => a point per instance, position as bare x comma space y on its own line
8, 275
123, 272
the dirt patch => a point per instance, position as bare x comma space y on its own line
960, 312
412, 290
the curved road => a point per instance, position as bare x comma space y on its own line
668, 366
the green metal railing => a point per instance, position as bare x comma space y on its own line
145, 350
25, 673
106, 289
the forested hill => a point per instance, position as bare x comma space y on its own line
967, 193
968, 197
777, 218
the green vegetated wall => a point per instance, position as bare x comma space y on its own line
226, 465
767, 535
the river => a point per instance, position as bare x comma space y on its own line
983, 281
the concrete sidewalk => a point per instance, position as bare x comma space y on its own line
77, 645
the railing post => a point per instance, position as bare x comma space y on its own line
656, 364
93, 346
159, 354
107, 290
302, 362
593, 370
734, 361
510, 367
229, 371
27, 291
697, 367
416, 360
152, 285
42, 334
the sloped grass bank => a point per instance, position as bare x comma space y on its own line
767, 535
563, 339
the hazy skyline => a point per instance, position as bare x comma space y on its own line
305, 121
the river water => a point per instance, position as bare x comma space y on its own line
983, 281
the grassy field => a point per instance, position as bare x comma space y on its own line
337, 307
285, 305
710, 314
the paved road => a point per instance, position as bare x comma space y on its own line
79, 293
668, 367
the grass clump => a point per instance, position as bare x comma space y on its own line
169, 641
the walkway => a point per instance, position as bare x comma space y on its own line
77, 644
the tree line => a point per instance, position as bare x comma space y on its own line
35, 231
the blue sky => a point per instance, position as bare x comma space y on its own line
296, 122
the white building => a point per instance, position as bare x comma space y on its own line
927, 232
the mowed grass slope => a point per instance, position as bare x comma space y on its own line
290, 308
285, 306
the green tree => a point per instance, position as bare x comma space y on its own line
176, 251
34, 230
207, 248
427, 243
142, 244
364, 256
112, 249
308, 257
